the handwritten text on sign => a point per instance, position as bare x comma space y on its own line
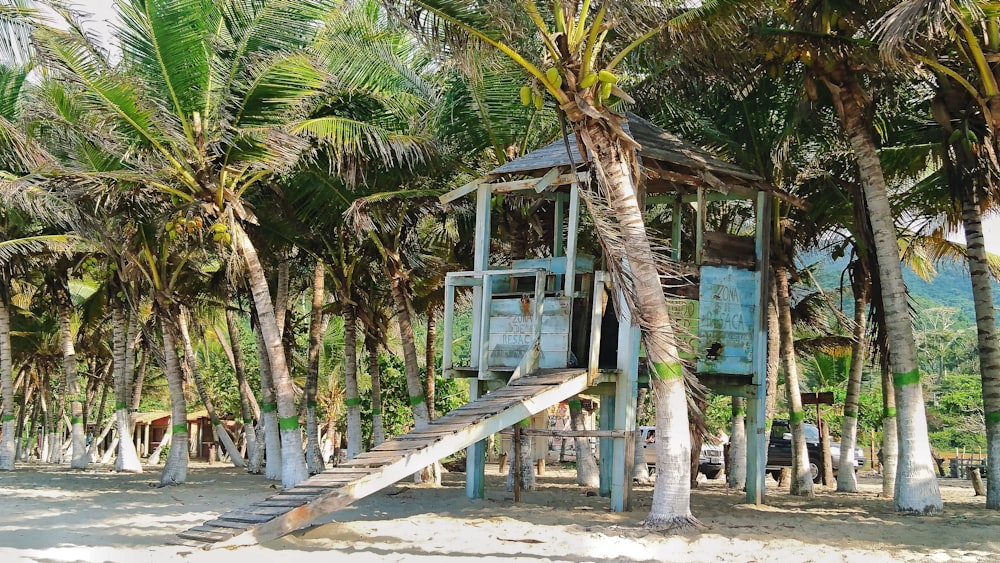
728, 300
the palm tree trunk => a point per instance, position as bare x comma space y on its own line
351, 395
429, 353
175, 469
73, 395
8, 444
736, 462
989, 352
268, 413
293, 462
317, 328
255, 456
587, 474
128, 459
374, 371
221, 435
916, 484
671, 504
401, 298
802, 483
847, 479
890, 437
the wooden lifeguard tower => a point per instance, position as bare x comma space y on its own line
551, 312
543, 332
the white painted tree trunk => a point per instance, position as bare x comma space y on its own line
527, 475
293, 462
587, 474
175, 469
802, 481
847, 479
154, 456
191, 361
317, 328
916, 482
351, 394
671, 504
74, 396
268, 415
255, 454
374, 371
736, 465
8, 444
127, 460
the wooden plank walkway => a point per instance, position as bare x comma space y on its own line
389, 462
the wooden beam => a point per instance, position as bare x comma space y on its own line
461, 192
546, 180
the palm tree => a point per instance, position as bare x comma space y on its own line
955, 42
572, 41
211, 93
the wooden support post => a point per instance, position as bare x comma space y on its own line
516, 455
699, 233
606, 421
475, 455
756, 422
675, 230
626, 393
599, 302
571, 236
475, 472
447, 356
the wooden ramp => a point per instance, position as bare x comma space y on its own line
391, 461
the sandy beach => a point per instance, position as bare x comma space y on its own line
52, 514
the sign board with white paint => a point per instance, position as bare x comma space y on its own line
728, 301
511, 326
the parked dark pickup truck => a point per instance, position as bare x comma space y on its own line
779, 451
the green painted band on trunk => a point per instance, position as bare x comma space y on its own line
76, 420
216, 422
290, 423
414, 401
7, 418
179, 429
119, 405
851, 412
269, 407
889, 412
991, 417
376, 412
248, 420
666, 371
739, 412
908, 378
311, 404
526, 423
796, 417
575, 405
353, 402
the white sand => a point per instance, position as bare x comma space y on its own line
50, 514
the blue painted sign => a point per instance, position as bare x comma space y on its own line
727, 302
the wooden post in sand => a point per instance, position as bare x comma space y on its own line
977, 481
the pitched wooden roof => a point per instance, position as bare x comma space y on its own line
670, 164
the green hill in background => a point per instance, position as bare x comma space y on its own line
951, 287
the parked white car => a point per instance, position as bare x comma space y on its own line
710, 461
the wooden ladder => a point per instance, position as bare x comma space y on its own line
369, 472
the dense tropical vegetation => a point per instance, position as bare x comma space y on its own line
232, 206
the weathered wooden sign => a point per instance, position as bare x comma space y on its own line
728, 300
